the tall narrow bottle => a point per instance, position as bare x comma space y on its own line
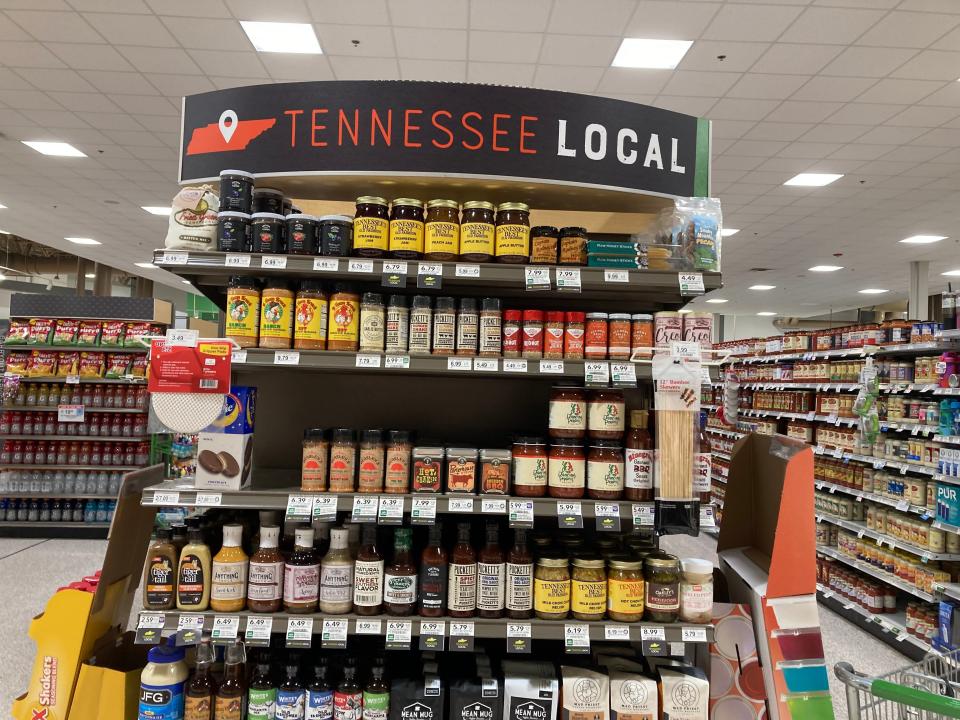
400, 578
228, 589
291, 695
433, 575
638, 483
262, 695
320, 694
702, 463
462, 587
348, 698
491, 575
160, 573
376, 694
230, 694
519, 594
336, 575
201, 687
301, 579
368, 575
265, 582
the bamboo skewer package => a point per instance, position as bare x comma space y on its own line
677, 404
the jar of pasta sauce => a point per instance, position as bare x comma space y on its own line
595, 336
529, 467
568, 413
566, 469
605, 411
605, 470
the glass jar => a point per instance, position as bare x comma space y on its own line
551, 588
398, 325
335, 235
490, 327
444, 326
468, 327
442, 239
310, 318
406, 229
371, 227
267, 232
605, 470
529, 467
513, 233
543, 245
343, 458
605, 410
573, 333
397, 464
595, 340
573, 246
242, 321
512, 333
313, 469
625, 589
421, 323
618, 342
301, 234
588, 588
553, 335
532, 334
371, 463
477, 231
566, 469
568, 412
696, 591
372, 323
276, 315
661, 574
233, 231
344, 319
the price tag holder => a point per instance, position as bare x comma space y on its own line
596, 372
175, 258
360, 266
325, 508
73, 380
461, 636
569, 515
493, 506
551, 367
693, 634
690, 283
394, 274
521, 514
838, 452
536, 277
238, 356
150, 628
618, 633
486, 364
366, 360
608, 517
467, 271
568, 279
423, 510
391, 510
643, 515
207, 499
333, 633
181, 338
459, 364
257, 633
399, 633
70, 413
166, 498
322, 264
518, 637
685, 350
616, 276
653, 632
903, 505
460, 505
432, 634
299, 507
364, 509
225, 628
623, 373
286, 357
189, 630
576, 638
369, 627
397, 362
299, 632
273, 262
519, 366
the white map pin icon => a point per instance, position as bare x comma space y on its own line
225, 129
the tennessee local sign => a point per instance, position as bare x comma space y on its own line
428, 128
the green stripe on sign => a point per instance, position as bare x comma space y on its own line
701, 178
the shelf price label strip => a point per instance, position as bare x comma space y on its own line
399, 633
518, 638
432, 634
258, 630
576, 638
461, 636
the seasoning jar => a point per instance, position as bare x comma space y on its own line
462, 469
421, 320
529, 467
512, 333
468, 327
242, 322
495, 471
310, 318
276, 315
442, 240
543, 245
551, 588
595, 342
573, 246
344, 319
588, 588
477, 231
553, 335
532, 334
568, 412
406, 229
397, 465
625, 589
343, 458
398, 325
301, 234
513, 232
605, 470
313, 468
490, 327
573, 335
370, 466
605, 411
696, 591
372, 323
642, 334
619, 336
566, 469
427, 469
444, 326
661, 574
371, 227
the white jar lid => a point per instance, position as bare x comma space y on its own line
697, 566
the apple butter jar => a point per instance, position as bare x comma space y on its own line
477, 231
371, 227
513, 233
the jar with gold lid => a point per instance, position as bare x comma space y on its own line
588, 589
551, 587
625, 589
477, 231
513, 233
442, 238
371, 227
406, 229
661, 573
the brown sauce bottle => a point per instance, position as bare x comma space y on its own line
462, 587
265, 577
400, 577
519, 591
433, 575
368, 575
638, 459
491, 575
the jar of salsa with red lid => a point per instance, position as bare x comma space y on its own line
529, 467
566, 469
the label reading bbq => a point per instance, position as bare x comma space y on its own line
190, 581
462, 593
161, 580
701, 473
406, 235
639, 468
490, 586
519, 595
370, 232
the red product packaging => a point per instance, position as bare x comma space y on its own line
92, 364
41, 329
113, 333
181, 369
533, 332
511, 333
89, 332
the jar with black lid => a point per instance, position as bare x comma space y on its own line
442, 238
335, 235
233, 231
477, 231
513, 233
406, 229
543, 245
267, 232
267, 200
573, 246
371, 226
301, 234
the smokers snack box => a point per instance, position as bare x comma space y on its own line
225, 449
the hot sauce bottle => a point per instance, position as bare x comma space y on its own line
638, 480
368, 575
491, 571
433, 575
348, 697
462, 589
519, 585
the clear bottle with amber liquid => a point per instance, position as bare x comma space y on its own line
638, 459
462, 583
702, 462
265, 579
229, 703
400, 577
201, 688
519, 581
432, 588
491, 575
301, 577
368, 575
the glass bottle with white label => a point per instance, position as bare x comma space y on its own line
491, 572
368, 575
336, 575
265, 581
519, 580
703, 462
462, 584
228, 588
638, 457
301, 578
400, 577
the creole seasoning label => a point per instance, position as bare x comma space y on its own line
406, 234
243, 314
588, 597
551, 596
476, 238
344, 320
370, 232
310, 321
276, 319
513, 240
443, 237
625, 596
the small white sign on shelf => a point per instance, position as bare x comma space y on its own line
274, 262
360, 266
322, 264
467, 271
237, 260
568, 279
459, 364
616, 276
181, 338
515, 366
397, 362
485, 364
551, 367
368, 360
286, 357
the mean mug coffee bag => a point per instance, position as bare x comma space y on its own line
530, 691
417, 698
478, 698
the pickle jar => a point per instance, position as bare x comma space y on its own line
625, 589
477, 231
406, 229
371, 227
551, 587
442, 238
588, 588
661, 575
513, 233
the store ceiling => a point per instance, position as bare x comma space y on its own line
867, 88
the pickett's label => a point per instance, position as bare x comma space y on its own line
370, 232
519, 595
243, 314
489, 334
513, 240
229, 580
490, 586
462, 591
476, 238
276, 320
442, 237
444, 330
639, 468
310, 322
368, 582
406, 234
604, 475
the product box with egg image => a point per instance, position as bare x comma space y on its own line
225, 449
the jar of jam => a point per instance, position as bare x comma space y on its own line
301, 234
512, 334
595, 342
533, 334
406, 229
661, 574
242, 322
529, 467
573, 246
513, 233
588, 588
371, 227
543, 245
442, 239
551, 588
573, 334
625, 589
477, 231
605, 470
344, 319
553, 335
568, 413
605, 410
619, 334
566, 469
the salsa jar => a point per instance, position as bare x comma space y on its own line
276, 315
566, 469
513, 232
605, 470
595, 336
568, 412
477, 231
242, 322
588, 588
529, 467
301, 234
625, 589
442, 238
344, 319
605, 411
661, 575
619, 331
551, 588
371, 227
310, 318
406, 229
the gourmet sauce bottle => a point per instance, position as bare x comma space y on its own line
201, 688
265, 582
638, 483
519, 594
400, 577
703, 462
228, 587
230, 695
160, 573
193, 573
301, 579
368, 575
462, 587
491, 572
433, 575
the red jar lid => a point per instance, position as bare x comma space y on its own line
576, 317
513, 315
555, 316
533, 315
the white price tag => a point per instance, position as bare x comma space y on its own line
70, 413
275, 262
705, 378
364, 507
496, 506
643, 515
433, 627
325, 507
166, 498
299, 629
360, 266
369, 627
397, 362
606, 509
207, 499
596, 372
551, 367
460, 505
423, 508
521, 511
903, 505
399, 268
569, 508
238, 356
259, 627
225, 627
568, 279
430, 269
151, 620
286, 357
576, 635
334, 630
368, 361
399, 631
237, 261
190, 622
653, 632
299, 506
391, 508
691, 283
685, 350
174, 258
616, 276
515, 366
616, 632
181, 338
623, 372
461, 629
467, 271
518, 630
322, 264
693, 634
537, 277
73, 380
838, 452
459, 363
486, 364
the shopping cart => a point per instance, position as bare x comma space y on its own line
928, 689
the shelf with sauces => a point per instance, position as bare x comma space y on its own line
946, 343
883, 539
870, 570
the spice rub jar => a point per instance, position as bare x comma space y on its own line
513, 232
406, 229
276, 315
442, 238
371, 226
242, 322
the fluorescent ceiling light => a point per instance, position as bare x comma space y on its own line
156, 209
148, 266
282, 37
90, 276
727, 232
2, 277
825, 268
717, 300
873, 291
813, 179
923, 239
684, 312
644, 53
83, 241
761, 287
766, 313
3, 207
60, 149
951, 273
185, 282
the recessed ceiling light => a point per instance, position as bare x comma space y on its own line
825, 268
923, 239
717, 300
761, 287
282, 37
156, 209
60, 149
813, 179
90, 276
951, 273
873, 291
148, 266
83, 241
766, 313
727, 232
645, 53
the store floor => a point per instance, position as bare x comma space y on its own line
31, 570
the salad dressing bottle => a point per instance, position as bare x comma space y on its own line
193, 573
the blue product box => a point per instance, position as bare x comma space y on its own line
948, 630
948, 503
239, 409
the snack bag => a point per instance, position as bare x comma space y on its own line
66, 332
193, 219
112, 334
67, 363
43, 363
138, 368
135, 334
89, 332
19, 332
702, 223
41, 329
18, 362
91, 364
118, 364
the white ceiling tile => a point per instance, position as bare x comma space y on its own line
670, 20
777, 131
110, 120
794, 111
930, 6
10, 118
224, 83
84, 101
783, 165
931, 65
530, 15
864, 113
230, 64
831, 25
576, 50
575, 17
153, 59
809, 150
9, 80
500, 73
27, 55
156, 123
28, 100
700, 84
55, 26
741, 109
696, 106
118, 29
373, 40
757, 148
55, 118
738, 162
868, 61
737, 56
55, 79
127, 6
119, 82
501, 46
207, 33
347, 12
948, 137
295, 66
628, 97
190, 8
828, 89
446, 70
794, 59
34, 4
903, 92
634, 81
737, 21
147, 104
835, 133
890, 135
915, 153
767, 87
428, 13
89, 57
909, 29
132, 137
924, 116
10, 30
358, 68
571, 79
180, 85
427, 44
273, 11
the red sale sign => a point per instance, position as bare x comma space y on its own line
179, 369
